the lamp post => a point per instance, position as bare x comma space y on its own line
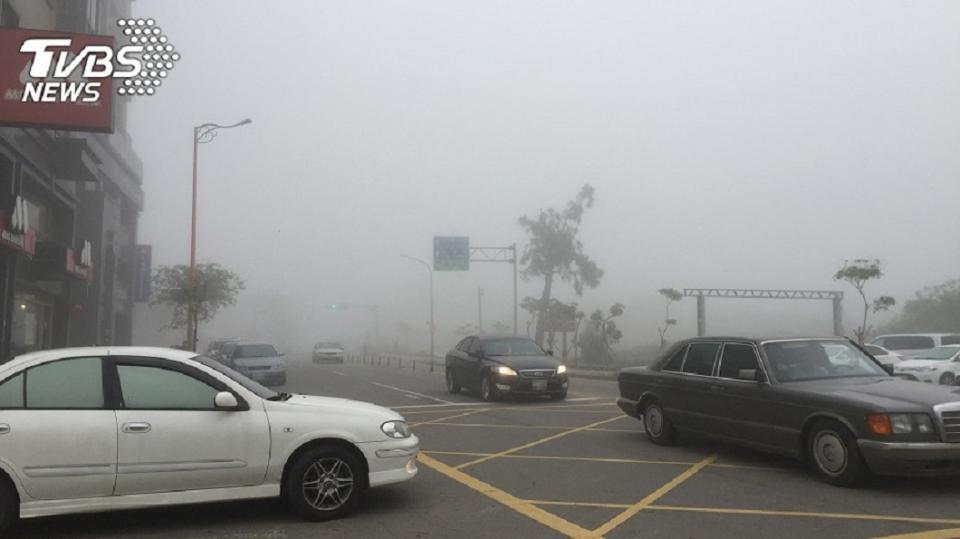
202, 134
432, 327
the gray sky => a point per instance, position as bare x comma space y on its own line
731, 144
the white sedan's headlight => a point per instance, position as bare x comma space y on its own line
561, 369
396, 429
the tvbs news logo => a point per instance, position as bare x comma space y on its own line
57, 74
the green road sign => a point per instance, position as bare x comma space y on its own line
451, 253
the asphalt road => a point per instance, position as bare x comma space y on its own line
543, 469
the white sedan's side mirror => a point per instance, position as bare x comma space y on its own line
226, 401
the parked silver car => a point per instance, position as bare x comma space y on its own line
258, 361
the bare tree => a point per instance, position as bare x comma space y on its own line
671, 295
857, 273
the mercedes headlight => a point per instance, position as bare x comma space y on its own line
886, 424
396, 429
503, 370
561, 369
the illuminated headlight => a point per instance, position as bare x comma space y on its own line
561, 369
503, 370
396, 429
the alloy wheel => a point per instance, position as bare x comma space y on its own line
327, 484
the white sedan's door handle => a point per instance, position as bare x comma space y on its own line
4, 428
136, 428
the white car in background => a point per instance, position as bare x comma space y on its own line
101, 429
940, 365
884, 356
910, 344
327, 352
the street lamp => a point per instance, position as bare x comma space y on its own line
202, 134
432, 328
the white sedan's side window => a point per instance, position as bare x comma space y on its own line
11, 392
153, 388
68, 384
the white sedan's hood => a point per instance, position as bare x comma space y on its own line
341, 406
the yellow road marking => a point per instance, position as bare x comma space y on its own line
653, 496
580, 504
603, 459
524, 508
815, 514
512, 426
536, 442
432, 421
952, 533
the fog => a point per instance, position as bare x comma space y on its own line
731, 144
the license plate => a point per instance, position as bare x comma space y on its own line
539, 385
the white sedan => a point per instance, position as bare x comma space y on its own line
940, 365
101, 429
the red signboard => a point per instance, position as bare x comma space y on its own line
77, 270
66, 115
25, 241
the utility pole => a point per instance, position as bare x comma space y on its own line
432, 326
480, 311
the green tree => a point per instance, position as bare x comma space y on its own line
600, 334
935, 308
857, 274
671, 295
216, 288
555, 252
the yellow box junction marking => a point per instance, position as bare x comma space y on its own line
653, 496
536, 442
524, 508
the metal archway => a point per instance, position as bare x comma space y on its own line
701, 294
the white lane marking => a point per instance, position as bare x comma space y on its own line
409, 396
411, 392
578, 399
338, 372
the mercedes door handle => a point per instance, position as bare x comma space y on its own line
4, 428
136, 428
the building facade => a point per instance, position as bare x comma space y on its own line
69, 206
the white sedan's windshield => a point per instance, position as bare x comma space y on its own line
259, 390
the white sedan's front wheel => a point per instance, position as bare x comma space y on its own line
948, 379
325, 483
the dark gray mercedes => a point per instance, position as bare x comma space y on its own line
823, 400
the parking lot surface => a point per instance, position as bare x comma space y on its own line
538, 468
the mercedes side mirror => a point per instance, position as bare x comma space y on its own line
226, 401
